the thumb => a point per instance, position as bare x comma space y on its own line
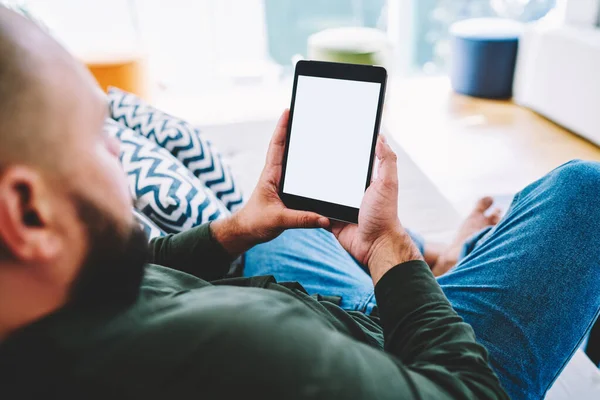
388, 169
301, 219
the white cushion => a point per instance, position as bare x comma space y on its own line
557, 76
582, 12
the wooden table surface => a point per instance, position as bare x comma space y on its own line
472, 147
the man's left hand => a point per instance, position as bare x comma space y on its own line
264, 217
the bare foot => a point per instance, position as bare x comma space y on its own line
475, 222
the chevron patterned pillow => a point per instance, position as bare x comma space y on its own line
164, 189
150, 229
181, 139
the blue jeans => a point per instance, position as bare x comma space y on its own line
529, 287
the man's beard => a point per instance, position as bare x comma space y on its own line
113, 268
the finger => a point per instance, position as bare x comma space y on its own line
388, 169
337, 226
375, 170
277, 144
301, 219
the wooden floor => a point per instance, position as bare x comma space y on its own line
471, 147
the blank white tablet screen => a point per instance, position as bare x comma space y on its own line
330, 140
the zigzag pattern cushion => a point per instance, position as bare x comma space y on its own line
181, 139
150, 229
164, 189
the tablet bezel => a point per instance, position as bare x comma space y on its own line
352, 72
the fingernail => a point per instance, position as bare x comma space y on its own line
323, 222
383, 139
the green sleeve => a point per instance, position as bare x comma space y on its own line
282, 350
194, 251
422, 330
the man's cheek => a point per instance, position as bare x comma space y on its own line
120, 181
114, 181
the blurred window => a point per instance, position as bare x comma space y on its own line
204, 44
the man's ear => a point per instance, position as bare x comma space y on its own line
25, 213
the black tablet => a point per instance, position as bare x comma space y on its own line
334, 120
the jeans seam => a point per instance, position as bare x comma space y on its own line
564, 364
366, 301
515, 200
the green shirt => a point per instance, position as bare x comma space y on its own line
187, 338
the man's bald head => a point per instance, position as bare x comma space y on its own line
35, 71
64, 199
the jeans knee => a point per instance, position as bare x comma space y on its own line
575, 185
576, 175
572, 187
559, 216
578, 166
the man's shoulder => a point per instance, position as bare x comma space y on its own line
189, 342
188, 319
154, 342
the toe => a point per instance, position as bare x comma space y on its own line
483, 204
495, 216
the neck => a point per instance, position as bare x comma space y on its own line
25, 299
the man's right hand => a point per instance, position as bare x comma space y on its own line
379, 241
264, 216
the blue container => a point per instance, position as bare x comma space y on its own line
484, 53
